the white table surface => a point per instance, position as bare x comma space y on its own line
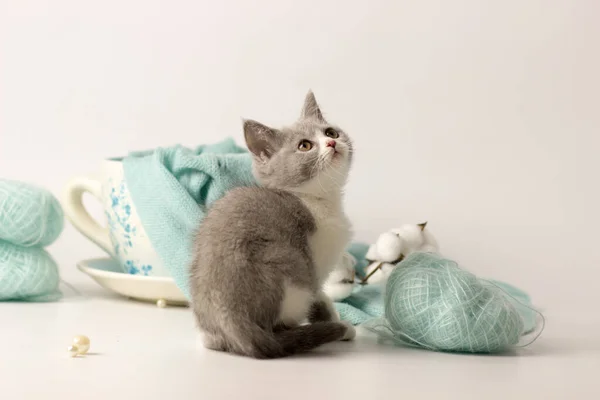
144, 352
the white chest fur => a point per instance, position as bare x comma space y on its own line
333, 232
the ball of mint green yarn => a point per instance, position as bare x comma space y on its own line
27, 274
29, 215
431, 302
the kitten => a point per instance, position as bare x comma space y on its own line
262, 254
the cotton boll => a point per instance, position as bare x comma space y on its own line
340, 282
428, 248
430, 244
386, 271
396, 244
338, 291
372, 253
389, 247
370, 268
412, 236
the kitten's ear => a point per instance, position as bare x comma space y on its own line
261, 140
311, 108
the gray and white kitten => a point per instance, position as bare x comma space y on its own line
262, 254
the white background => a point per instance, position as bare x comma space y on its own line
479, 117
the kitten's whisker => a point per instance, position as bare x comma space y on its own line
313, 169
328, 172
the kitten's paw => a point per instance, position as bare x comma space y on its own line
350, 331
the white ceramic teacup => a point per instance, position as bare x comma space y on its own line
124, 237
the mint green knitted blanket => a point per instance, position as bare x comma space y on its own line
172, 189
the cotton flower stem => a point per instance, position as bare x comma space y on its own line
366, 278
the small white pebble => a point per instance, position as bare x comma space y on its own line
161, 303
81, 343
73, 351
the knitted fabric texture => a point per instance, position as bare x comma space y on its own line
172, 189
30, 218
27, 274
364, 304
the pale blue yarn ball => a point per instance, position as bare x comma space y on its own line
27, 274
432, 303
29, 215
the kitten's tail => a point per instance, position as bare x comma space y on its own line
299, 339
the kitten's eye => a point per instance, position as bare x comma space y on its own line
332, 133
305, 145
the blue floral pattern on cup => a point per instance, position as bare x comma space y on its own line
135, 270
121, 230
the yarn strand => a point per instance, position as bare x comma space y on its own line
537, 312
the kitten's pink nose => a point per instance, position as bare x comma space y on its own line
331, 143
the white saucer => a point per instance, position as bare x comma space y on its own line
109, 275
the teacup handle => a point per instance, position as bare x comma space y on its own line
78, 215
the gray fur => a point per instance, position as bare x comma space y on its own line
319, 312
311, 109
255, 240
